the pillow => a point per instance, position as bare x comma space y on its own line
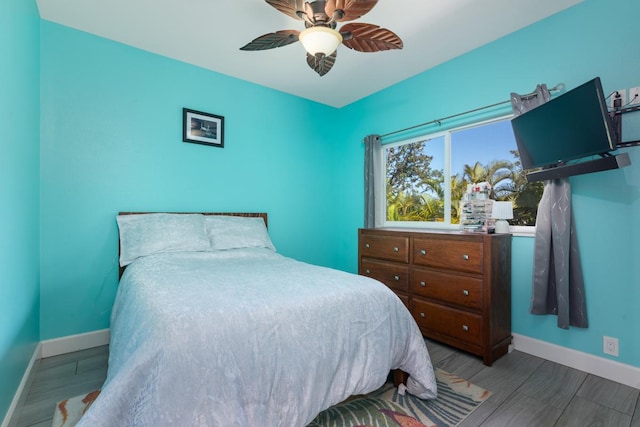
233, 232
146, 234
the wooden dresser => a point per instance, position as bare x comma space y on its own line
457, 285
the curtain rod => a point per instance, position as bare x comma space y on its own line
558, 87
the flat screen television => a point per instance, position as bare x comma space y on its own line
574, 125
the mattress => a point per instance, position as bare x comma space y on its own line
248, 337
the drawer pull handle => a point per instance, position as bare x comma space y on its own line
465, 328
423, 284
395, 249
423, 315
396, 278
465, 293
423, 252
368, 271
366, 245
465, 257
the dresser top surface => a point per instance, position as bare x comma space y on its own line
421, 232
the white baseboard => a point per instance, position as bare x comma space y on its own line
56, 347
599, 366
73, 343
37, 354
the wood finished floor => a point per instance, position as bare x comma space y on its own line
527, 390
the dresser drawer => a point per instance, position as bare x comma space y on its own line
457, 324
395, 276
392, 248
449, 254
456, 289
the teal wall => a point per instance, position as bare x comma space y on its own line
112, 141
571, 47
19, 192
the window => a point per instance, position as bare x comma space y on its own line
427, 176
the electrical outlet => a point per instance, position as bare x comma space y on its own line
618, 98
610, 346
634, 96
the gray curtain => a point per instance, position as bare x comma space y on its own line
558, 284
372, 153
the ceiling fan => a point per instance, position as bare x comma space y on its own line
320, 37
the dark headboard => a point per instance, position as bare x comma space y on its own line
262, 215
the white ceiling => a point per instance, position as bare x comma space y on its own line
209, 33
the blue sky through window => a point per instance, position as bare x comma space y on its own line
482, 144
486, 143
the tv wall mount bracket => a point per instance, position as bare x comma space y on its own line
616, 118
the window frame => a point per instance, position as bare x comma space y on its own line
381, 190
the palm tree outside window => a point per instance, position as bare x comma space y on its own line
427, 176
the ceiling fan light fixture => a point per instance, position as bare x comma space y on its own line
320, 40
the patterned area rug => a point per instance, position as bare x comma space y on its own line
69, 411
457, 398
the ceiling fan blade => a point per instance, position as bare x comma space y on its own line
320, 63
288, 7
309, 12
351, 9
369, 38
272, 40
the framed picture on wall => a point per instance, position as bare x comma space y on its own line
202, 128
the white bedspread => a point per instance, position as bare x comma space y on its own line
249, 338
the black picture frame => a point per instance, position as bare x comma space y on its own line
203, 128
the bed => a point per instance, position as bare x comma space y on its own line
211, 326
